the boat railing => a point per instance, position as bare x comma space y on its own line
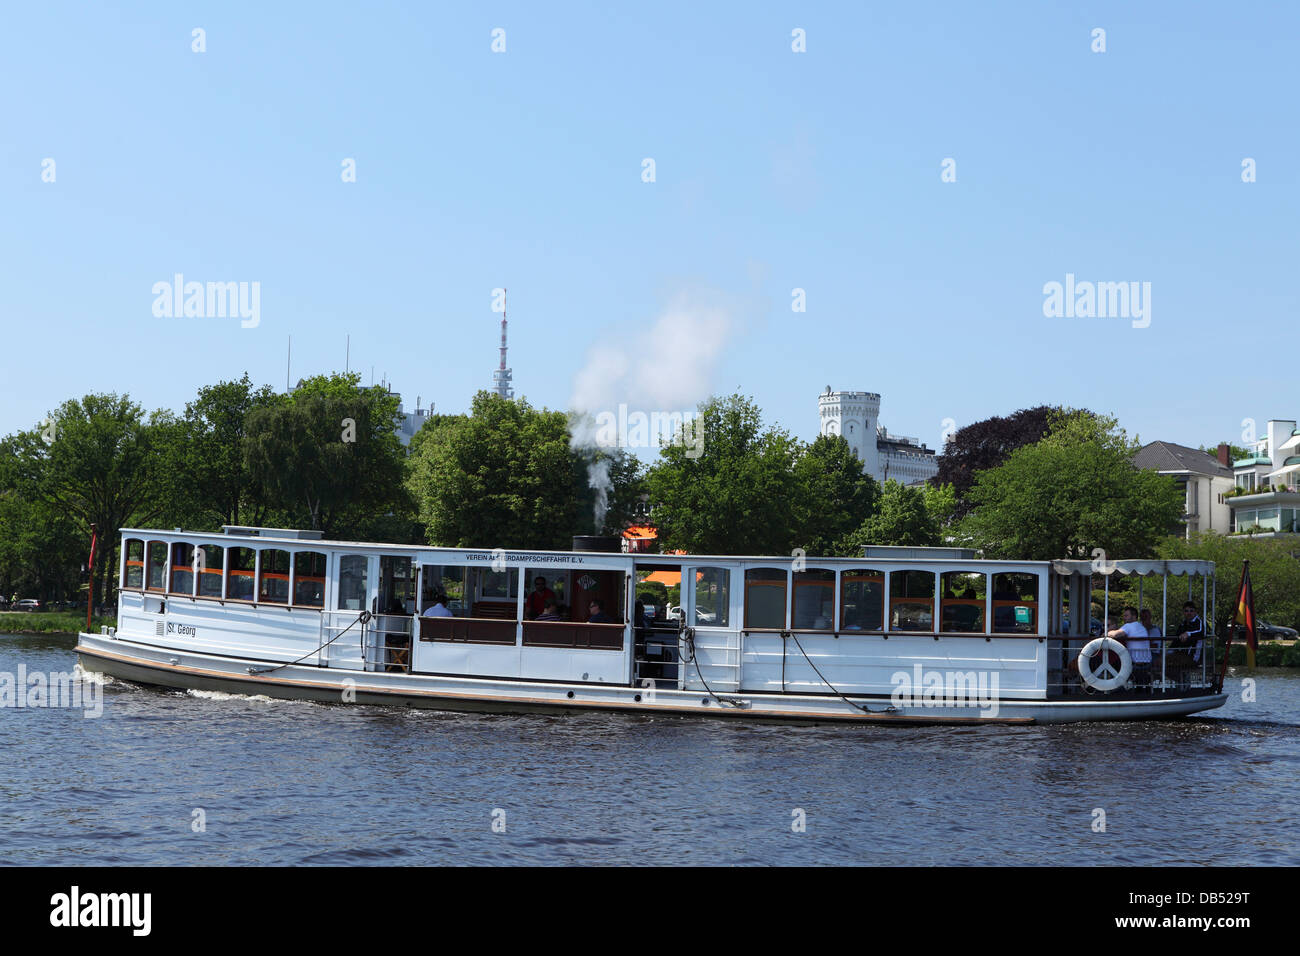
354, 640
1172, 671
386, 643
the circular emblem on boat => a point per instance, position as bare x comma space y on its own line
1112, 668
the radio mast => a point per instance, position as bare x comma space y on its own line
502, 377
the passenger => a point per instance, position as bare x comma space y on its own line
439, 607
1140, 650
1134, 636
596, 613
1188, 639
550, 612
536, 601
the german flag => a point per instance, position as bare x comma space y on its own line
1245, 616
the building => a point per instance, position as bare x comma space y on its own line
1205, 479
411, 422
855, 416
1266, 499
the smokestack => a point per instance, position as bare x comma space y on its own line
597, 542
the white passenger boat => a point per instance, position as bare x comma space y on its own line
896, 637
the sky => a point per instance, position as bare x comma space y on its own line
773, 171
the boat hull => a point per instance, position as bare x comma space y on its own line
168, 667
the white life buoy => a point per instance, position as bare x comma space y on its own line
1105, 678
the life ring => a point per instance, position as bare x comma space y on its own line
1105, 646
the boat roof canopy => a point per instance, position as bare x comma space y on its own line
1142, 567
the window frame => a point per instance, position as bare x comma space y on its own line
770, 582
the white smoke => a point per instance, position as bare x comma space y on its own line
598, 478
667, 366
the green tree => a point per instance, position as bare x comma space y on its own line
503, 476
1274, 574
735, 497
1074, 491
902, 519
41, 546
329, 456
99, 463
833, 494
210, 455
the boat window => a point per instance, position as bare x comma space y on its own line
605, 587
491, 592
211, 570
765, 598
498, 585
963, 602
911, 601
353, 582
862, 601
447, 581
273, 580
157, 570
658, 588
557, 582
133, 576
309, 579
239, 575
712, 597
182, 568
396, 584
814, 600
1015, 603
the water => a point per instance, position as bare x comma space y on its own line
285, 783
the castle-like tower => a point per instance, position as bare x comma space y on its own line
853, 415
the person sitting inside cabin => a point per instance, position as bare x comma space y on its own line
596, 612
1187, 642
1141, 650
1134, 636
537, 599
439, 606
549, 612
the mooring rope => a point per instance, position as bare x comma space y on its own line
866, 710
363, 618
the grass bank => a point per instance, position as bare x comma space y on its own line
50, 622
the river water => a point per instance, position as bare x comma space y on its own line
183, 778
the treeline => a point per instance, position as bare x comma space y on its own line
1043, 483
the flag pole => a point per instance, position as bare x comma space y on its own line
90, 583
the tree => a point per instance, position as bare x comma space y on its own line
329, 456
902, 519
99, 464
987, 444
735, 497
210, 453
1274, 574
834, 496
1074, 491
41, 546
503, 476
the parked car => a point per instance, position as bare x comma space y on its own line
1275, 632
1095, 626
29, 604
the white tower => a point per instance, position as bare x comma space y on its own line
853, 415
503, 377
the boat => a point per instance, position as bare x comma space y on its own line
895, 637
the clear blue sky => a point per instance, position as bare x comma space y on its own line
774, 170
